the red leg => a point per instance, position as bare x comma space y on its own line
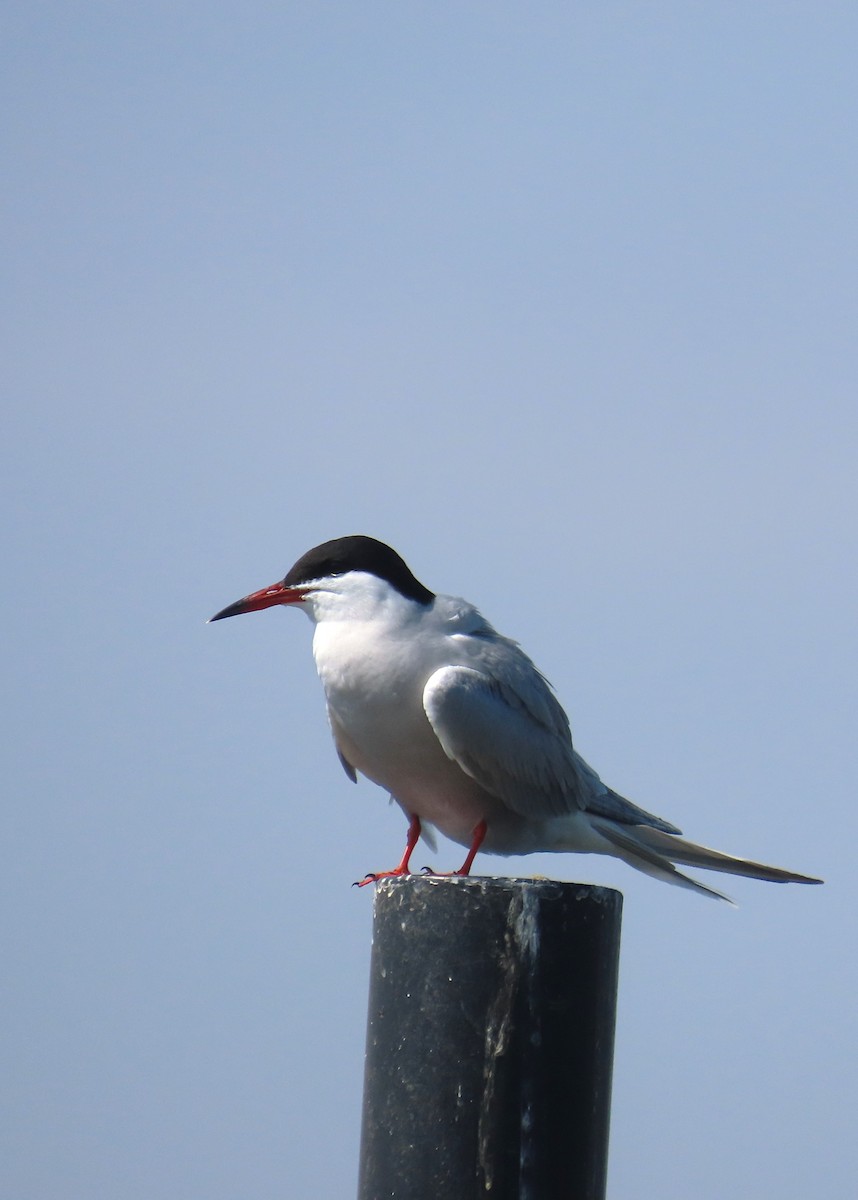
479, 836
402, 869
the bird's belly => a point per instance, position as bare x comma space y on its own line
393, 744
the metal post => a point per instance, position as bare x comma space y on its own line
490, 1040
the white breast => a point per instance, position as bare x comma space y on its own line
374, 674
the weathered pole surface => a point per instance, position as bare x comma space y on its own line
490, 1040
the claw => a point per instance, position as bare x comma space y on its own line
465, 869
397, 873
402, 869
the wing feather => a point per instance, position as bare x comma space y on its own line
515, 745
346, 765
513, 738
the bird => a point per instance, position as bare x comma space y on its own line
426, 699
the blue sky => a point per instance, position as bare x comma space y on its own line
559, 300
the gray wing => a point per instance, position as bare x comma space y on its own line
347, 766
513, 738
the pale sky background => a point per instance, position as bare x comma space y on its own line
560, 300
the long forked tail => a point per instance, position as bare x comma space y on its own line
656, 852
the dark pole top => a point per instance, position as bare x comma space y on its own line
490, 1039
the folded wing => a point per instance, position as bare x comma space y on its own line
513, 738
488, 728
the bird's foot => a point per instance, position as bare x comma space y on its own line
402, 869
375, 876
465, 869
478, 837
413, 834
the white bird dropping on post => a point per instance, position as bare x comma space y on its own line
430, 702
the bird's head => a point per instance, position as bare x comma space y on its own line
349, 575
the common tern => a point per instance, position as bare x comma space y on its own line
429, 701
